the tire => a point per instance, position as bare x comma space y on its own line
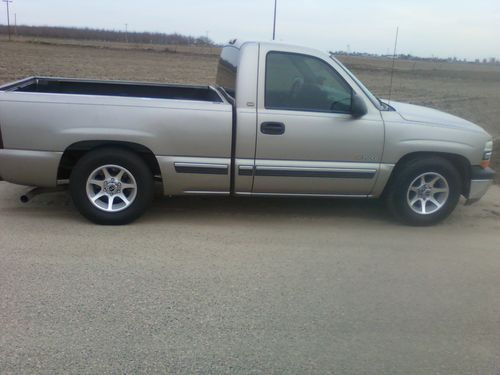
424, 191
116, 175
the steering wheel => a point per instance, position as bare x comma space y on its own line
296, 87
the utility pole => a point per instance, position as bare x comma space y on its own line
274, 23
126, 33
15, 24
8, 17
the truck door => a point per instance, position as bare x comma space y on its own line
307, 140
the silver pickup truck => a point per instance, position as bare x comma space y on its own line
281, 121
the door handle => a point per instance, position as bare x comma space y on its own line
272, 128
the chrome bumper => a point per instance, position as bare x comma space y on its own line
479, 184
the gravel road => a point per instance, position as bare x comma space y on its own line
248, 286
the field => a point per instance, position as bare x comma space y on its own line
471, 91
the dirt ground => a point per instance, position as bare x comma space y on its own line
240, 286
471, 91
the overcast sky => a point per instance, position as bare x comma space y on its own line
442, 28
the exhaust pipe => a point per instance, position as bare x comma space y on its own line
29, 195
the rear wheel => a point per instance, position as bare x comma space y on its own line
111, 186
424, 191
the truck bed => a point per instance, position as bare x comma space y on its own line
114, 88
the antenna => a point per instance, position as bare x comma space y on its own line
8, 16
274, 23
393, 62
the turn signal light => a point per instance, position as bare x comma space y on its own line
485, 164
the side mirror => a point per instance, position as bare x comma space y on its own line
358, 106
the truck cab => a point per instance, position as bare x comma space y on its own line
297, 129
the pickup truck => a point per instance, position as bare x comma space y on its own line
281, 120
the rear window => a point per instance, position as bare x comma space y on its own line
227, 69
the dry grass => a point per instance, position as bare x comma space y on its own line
468, 90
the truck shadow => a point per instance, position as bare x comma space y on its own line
213, 208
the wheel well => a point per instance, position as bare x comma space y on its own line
459, 162
75, 152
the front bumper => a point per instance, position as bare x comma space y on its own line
481, 180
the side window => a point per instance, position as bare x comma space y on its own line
227, 69
304, 83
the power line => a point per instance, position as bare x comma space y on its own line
8, 16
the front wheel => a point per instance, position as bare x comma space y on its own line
424, 191
111, 186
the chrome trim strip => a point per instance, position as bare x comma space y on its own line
202, 192
245, 170
306, 195
315, 172
201, 168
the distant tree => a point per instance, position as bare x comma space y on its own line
107, 35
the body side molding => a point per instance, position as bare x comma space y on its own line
201, 168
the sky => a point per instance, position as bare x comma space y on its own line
440, 28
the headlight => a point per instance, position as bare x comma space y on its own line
488, 146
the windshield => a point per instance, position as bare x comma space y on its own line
375, 100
